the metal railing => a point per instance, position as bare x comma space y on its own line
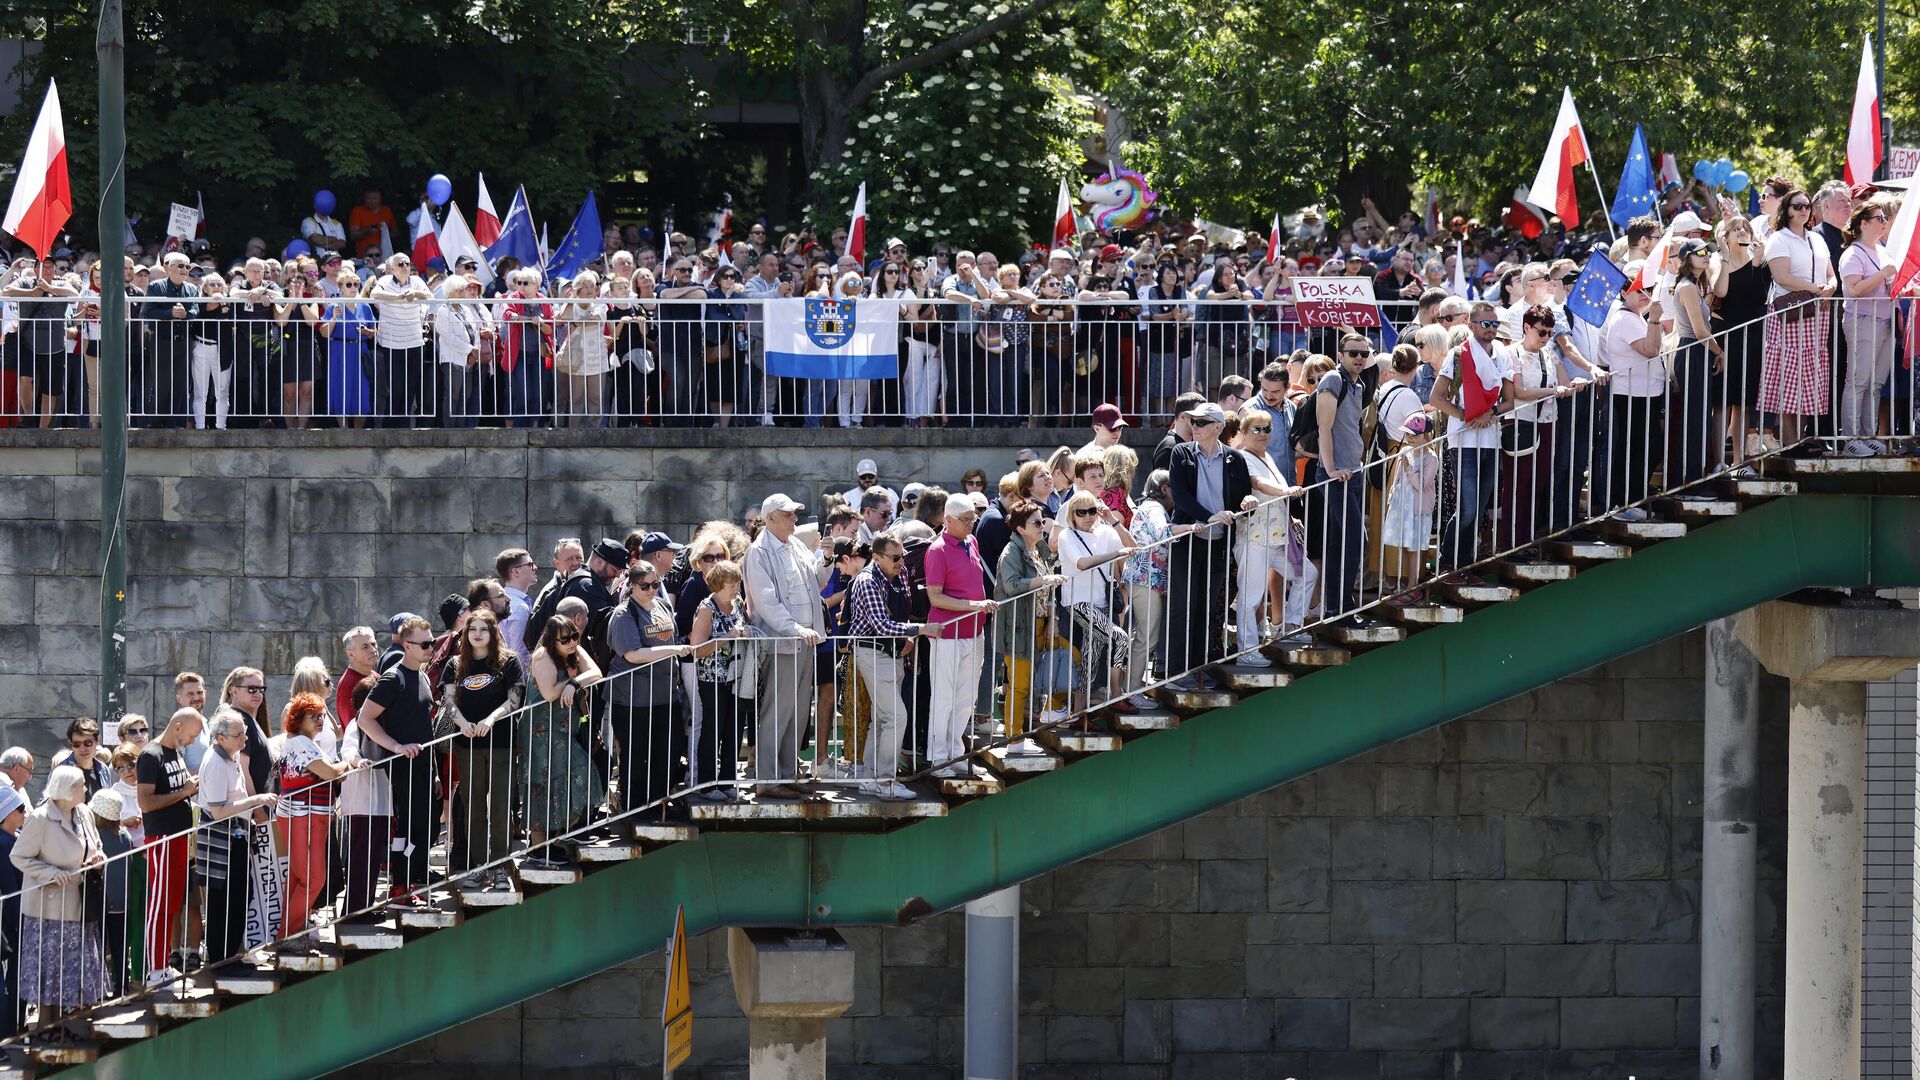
1107, 600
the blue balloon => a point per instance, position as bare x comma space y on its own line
1738, 180
439, 189
1722, 169
1703, 170
323, 203
295, 249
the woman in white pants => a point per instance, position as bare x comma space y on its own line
851, 395
1263, 543
1867, 320
206, 354
920, 329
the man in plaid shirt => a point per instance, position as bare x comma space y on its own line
880, 635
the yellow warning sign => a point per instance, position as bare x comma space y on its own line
676, 1012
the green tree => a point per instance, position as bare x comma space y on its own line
258, 106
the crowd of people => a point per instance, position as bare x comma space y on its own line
1320, 476
675, 335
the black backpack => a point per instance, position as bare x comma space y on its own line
1304, 434
597, 641
549, 604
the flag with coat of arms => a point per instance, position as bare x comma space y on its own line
822, 338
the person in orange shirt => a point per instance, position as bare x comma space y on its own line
364, 221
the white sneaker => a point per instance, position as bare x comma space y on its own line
1253, 659
895, 791
1863, 448
1053, 716
872, 789
951, 772
1632, 513
1142, 701
160, 977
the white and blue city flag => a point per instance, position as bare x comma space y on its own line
833, 339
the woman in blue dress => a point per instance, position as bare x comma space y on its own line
347, 323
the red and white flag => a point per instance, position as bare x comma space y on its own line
1659, 264
1273, 241
1903, 244
1669, 170
1566, 151
1063, 228
426, 238
1431, 218
1864, 148
1525, 216
857, 230
486, 220
200, 226
42, 198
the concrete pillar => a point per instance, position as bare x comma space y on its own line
1728, 857
1829, 653
789, 984
993, 986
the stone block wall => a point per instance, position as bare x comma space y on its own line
261, 547
1513, 895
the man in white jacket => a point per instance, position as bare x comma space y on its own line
783, 601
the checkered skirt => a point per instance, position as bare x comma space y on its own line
1794, 369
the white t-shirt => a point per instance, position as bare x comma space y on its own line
402, 322
298, 752
1089, 586
1534, 370
1397, 401
363, 792
1486, 437
222, 782
1633, 375
1806, 257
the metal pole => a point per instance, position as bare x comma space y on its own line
1728, 856
993, 986
1605, 209
110, 49
1880, 83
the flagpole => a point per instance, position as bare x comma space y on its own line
1611, 233
110, 51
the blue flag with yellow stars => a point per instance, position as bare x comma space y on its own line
1593, 293
581, 245
1636, 193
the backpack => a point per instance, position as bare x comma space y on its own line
597, 641
544, 611
1380, 444
1305, 432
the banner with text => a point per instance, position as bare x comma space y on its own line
1335, 301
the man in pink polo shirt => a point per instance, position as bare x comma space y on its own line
957, 591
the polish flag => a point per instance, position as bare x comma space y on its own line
1903, 244
1670, 170
1063, 228
1525, 216
42, 198
1566, 151
426, 238
486, 221
1273, 241
857, 229
1864, 150
1431, 218
1659, 264
200, 225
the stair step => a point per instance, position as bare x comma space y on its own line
325, 958
1316, 655
1016, 759
490, 898
62, 1054
1651, 529
1754, 489
839, 804
1483, 593
1078, 742
369, 936
245, 979
1143, 721
443, 913
607, 851
127, 1022
1696, 509
664, 832
1376, 634
1534, 573
1239, 676
980, 784
185, 1001
1428, 614
1590, 551
1191, 701
1786, 467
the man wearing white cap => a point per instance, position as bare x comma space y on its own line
867, 473
783, 601
957, 591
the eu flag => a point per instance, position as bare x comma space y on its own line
1595, 289
516, 237
580, 246
1636, 193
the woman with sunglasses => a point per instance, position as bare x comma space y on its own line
1700, 364
1091, 540
1794, 371
920, 329
299, 320
245, 694
648, 732
723, 666
1527, 439
1867, 321
561, 782
303, 822
482, 688
890, 283
1266, 547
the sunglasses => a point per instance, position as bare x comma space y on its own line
133, 731
428, 644
252, 689
565, 638
83, 744
1356, 352
1259, 430
1486, 324
1874, 217
646, 586
1799, 206
712, 557
1568, 279
1085, 512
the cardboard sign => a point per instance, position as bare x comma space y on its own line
182, 221
1902, 162
1335, 301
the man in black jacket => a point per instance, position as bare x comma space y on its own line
166, 385
1209, 482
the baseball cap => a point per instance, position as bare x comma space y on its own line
779, 501
1059, 253
10, 800
960, 504
893, 242
1108, 416
655, 542
866, 467
1207, 410
1687, 221
1111, 251
912, 491
394, 624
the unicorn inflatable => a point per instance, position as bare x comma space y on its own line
1118, 200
